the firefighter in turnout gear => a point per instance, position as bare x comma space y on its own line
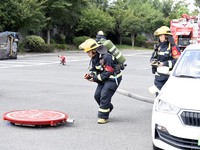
106, 73
100, 36
165, 53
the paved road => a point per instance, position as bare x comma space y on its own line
40, 82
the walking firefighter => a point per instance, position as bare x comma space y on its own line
106, 72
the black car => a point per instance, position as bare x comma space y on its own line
8, 45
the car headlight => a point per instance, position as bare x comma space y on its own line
163, 106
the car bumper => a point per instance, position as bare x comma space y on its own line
170, 133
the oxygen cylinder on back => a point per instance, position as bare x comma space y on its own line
114, 51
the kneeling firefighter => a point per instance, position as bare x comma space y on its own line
166, 53
106, 73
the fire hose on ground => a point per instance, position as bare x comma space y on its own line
135, 96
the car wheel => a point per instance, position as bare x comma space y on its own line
156, 148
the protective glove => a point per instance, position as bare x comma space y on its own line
88, 76
155, 63
117, 69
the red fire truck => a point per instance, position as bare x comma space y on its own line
186, 30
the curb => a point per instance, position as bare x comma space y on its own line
134, 96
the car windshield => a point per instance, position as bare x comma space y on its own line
189, 65
4, 36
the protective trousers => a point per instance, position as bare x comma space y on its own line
103, 95
160, 80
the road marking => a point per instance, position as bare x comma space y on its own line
30, 63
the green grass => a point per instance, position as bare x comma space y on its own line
131, 48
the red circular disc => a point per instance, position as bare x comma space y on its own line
35, 117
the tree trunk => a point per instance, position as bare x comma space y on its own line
120, 39
48, 36
133, 39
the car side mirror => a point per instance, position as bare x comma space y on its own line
163, 70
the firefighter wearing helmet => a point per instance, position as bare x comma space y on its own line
104, 72
166, 53
100, 37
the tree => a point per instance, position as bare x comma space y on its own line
117, 10
150, 17
177, 11
166, 7
102, 4
132, 24
22, 15
135, 17
54, 14
157, 4
73, 15
94, 19
63, 14
182, 10
197, 3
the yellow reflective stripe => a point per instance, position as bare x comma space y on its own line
112, 49
170, 64
119, 55
98, 67
113, 58
94, 72
163, 53
118, 75
169, 47
104, 110
157, 74
99, 77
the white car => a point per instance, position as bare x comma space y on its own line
176, 110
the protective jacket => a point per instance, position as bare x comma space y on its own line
167, 54
104, 68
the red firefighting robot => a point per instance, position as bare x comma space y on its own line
62, 59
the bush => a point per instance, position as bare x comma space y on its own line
126, 41
46, 48
60, 46
60, 38
65, 47
140, 40
71, 47
20, 47
78, 40
150, 44
52, 41
33, 43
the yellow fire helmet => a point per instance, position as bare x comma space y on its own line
89, 45
163, 30
100, 33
